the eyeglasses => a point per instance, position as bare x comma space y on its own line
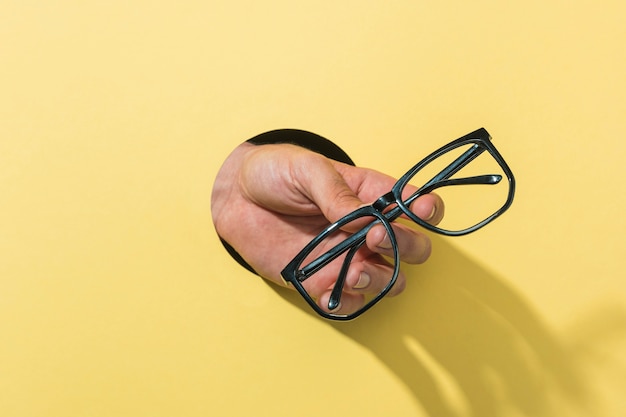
467, 174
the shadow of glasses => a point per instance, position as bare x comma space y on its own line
467, 344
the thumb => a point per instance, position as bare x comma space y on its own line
330, 192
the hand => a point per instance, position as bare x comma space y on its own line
269, 201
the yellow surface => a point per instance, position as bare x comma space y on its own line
116, 298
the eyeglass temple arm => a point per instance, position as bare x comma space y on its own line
458, 164
355, 240
489, 179
442, 178
335, 295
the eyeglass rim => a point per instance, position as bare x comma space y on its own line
480, 137
289, 273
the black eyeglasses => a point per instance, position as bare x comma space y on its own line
474, 194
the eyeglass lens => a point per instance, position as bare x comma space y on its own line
471, 194
341, 282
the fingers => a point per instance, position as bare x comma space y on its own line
327, 188
429, 207
372, 278
414, 247
365, 281
369, 273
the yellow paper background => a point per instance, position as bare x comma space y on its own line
117, 299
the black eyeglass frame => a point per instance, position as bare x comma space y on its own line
480, 141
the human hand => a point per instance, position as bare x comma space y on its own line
269, 201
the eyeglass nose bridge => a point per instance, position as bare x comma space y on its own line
384, 201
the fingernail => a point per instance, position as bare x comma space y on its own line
432, 213
363, 282
386, 243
